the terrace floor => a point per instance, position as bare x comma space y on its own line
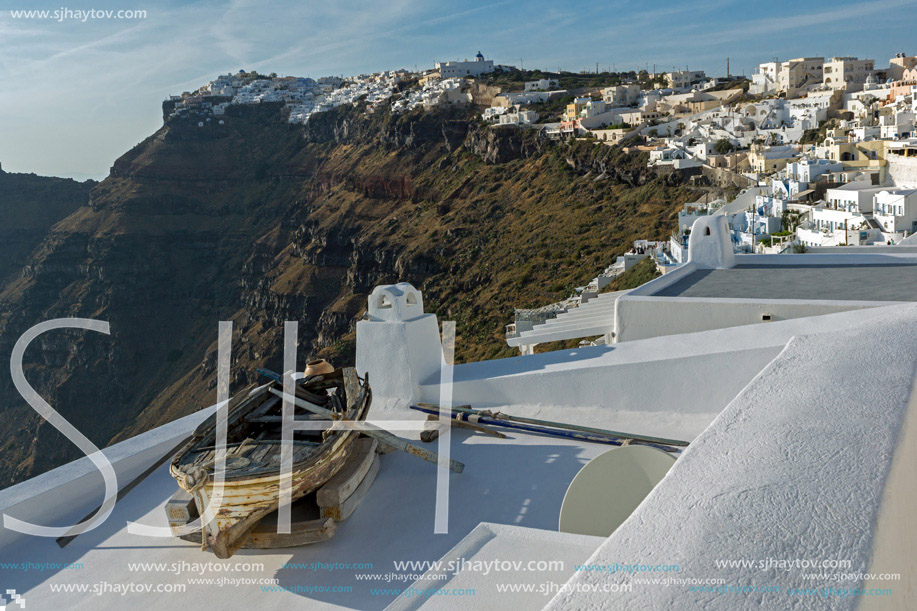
808, 282
520, 481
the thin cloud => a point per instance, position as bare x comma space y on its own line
96, 87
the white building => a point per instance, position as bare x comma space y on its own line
896, 210
545, 84
474, 68
807, 170
792, 77
852, 197
518, 117
521, 98
848, 73
901, 157
848, 217
682, 79
621, 95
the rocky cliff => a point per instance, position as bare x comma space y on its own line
258, 221
29, 206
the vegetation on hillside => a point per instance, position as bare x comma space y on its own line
638, 275
818, 134
259, 222
514, 80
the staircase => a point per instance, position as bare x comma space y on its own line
595, 317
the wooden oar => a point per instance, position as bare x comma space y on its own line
457, 420
570, 427
490, 419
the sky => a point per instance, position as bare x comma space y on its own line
76, 94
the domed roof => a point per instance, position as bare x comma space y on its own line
479, 56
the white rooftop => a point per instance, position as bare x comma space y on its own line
803, 447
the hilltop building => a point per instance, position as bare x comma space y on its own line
474, 68
902, 67
545, 84
682, 79
790, 77
621, 95
848, 73
798, 76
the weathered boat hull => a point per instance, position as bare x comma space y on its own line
244, 503
250, 489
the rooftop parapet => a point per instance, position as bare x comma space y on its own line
398, 345
710, 245
395, 302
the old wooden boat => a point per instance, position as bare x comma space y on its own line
251, 486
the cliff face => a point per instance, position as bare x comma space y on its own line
29, 206
259, 222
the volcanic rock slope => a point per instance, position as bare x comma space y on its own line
258, 222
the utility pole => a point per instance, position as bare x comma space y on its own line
754, 242
727, 67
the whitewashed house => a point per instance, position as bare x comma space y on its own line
474, 68
518, 117
545, 84
896, 210
621, 95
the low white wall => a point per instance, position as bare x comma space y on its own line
798, 467
670, 278
860, 255
641, 317
664, 385
66, 494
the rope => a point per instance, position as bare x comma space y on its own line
199, 476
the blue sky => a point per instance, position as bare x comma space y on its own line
75, 95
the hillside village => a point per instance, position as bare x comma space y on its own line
724, 417
816, 152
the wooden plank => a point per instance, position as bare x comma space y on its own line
233, 415
462, 424
301, 533
180, 510
339, 488
261, 452
342, 512
262, 409
266, 537
235, 444
278, 419
352, 389
382, 435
